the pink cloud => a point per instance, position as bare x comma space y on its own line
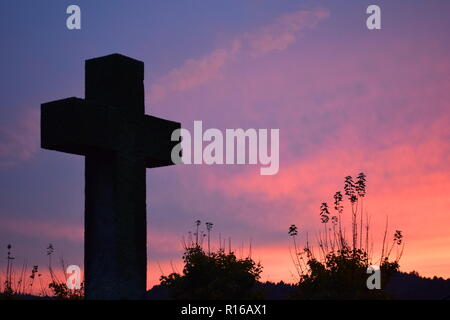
191, 74
19, 141
275, 37
284, 32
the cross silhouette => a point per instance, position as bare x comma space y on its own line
119, 141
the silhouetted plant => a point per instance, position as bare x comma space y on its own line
59, 287
342, 275
197, 223
340, 270
212, 274
293, 231
34, 272
8, 291
217, 275
61, 291
209, 226
18, 285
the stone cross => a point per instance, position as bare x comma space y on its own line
119, 141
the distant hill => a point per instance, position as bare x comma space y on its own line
403, 286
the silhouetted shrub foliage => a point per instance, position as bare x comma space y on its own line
336, 268
217, 275
342, 275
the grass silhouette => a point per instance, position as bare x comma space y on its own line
25, 283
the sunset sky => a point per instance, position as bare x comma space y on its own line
346, 100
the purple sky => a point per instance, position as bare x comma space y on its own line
345, 99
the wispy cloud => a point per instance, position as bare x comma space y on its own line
20, 140
40, 229
278, 36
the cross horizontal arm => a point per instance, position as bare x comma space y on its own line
157, 141
75, 126
72, 125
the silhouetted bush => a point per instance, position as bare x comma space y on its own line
338, 270
342, 275
217, 275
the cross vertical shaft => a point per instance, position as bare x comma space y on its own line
115, 205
